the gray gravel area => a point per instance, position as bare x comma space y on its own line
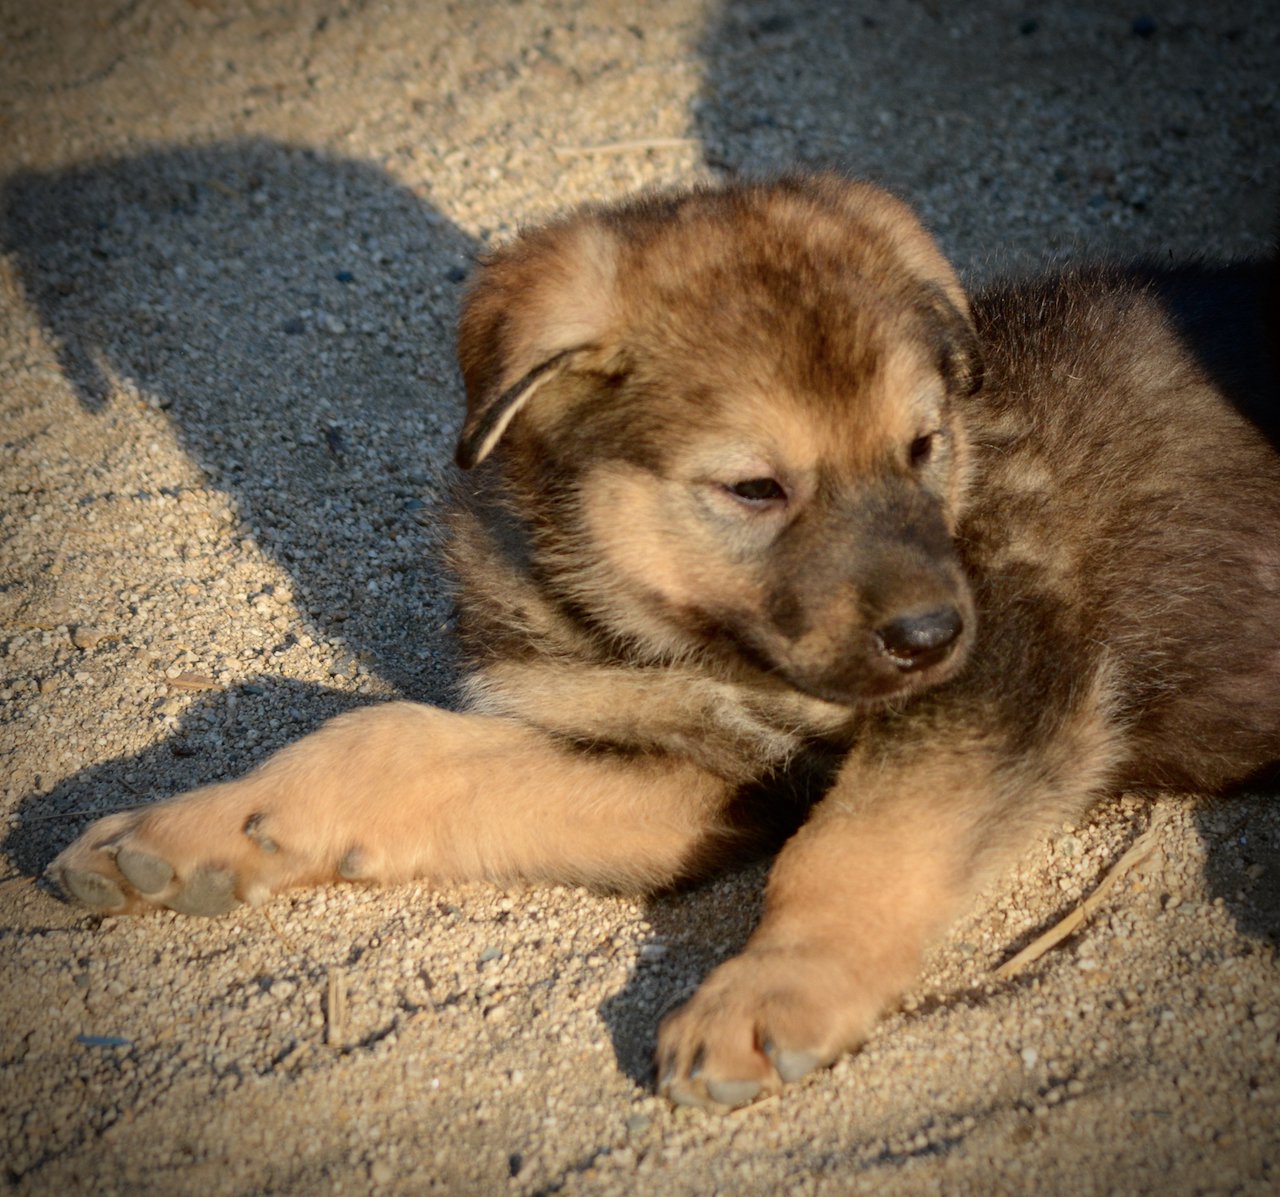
232, 238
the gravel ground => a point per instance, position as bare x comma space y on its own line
233, 233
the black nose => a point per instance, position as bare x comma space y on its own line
915, 641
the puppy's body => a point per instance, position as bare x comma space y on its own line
739, 508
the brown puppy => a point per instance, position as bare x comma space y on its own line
741, 504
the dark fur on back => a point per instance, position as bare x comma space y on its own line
1127, 488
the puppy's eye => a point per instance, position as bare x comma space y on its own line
757, 490
921, 449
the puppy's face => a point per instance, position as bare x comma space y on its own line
730, 417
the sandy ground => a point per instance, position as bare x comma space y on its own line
233, 233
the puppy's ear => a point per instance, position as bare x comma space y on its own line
907, 249
540, 307
487, 419
955, 340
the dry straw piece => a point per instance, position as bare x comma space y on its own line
639, 145
1142, 848
336, 1008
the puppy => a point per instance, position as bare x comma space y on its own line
756, 494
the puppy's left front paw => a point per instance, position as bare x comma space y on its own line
761, 1021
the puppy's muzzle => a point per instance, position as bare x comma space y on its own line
920, 639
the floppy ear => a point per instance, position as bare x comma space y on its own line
538, 307
907, 244
956, 341
487, 420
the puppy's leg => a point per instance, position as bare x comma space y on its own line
398, 791
884, 864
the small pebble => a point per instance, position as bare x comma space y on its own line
87, 638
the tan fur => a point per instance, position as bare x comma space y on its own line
741, 516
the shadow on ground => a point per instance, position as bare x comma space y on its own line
1028, 115
293, 315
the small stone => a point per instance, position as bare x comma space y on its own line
381, 1172
1029, 1057
87, 638
104, 1041
186, 679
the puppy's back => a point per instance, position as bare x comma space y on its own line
1126, 468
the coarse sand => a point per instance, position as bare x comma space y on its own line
233, 235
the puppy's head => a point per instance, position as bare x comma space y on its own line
731, 419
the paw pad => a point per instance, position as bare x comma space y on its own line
791, 1065
253, 829
352, 866
733, 1093
91, 888
208, 892
146, 873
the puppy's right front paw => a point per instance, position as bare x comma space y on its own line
112, 869
167, 858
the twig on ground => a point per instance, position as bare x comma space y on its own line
1142, 847
75, 814
624, 147
336, 1008
755, 1106
280, 935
